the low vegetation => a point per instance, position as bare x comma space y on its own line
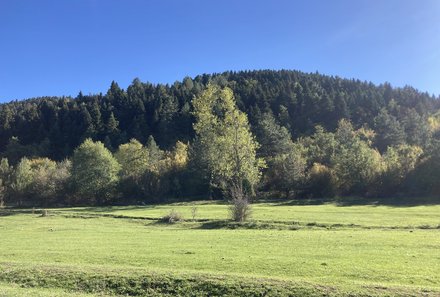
172, 217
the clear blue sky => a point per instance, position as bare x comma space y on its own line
60, 47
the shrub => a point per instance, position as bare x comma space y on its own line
322, 181
240, 209
172, 217
2, 194
194, 211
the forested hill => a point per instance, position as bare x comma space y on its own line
54, 126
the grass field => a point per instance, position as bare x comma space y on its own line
290, 250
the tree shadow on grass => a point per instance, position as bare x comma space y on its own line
108, 209
255, 225
5, 213
215, 224
85, 210
113, 208
360, 201
11, 211
387, 201
298, 202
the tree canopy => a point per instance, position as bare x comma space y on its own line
228, 146
94, 172
317, 135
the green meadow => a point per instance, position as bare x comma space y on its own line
284, 250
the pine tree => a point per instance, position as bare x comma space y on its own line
388, 130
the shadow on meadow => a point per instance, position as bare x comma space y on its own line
251, 224
5, 213
109, 209
92, 209
296, 202
387, 201
359, 201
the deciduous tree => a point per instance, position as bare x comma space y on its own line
94, 172
229, 148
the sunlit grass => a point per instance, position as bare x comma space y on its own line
13, 290
365, 215
347, 257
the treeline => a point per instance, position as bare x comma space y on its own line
319, 136
325, 164
94, 176
346, 162
54, 127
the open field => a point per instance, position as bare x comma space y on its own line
285, 250
365, 216
14, 290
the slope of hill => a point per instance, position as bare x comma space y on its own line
53, 126
319, 136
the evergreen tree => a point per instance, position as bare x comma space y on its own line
388, 131
417, 129
287, 172
273, 138
154, 152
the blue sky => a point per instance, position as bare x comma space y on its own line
60, 47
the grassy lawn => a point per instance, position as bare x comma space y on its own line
387, 250
367, 216
13, 290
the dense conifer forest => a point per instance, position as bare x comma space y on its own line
316, 136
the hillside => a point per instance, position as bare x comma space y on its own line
316, 136
54, 126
